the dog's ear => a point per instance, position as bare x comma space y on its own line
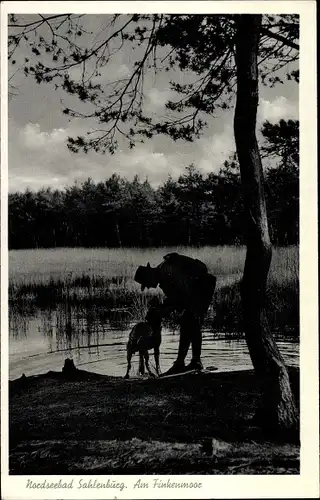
148, 265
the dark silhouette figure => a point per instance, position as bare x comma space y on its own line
144, 336
188, 288
69, 370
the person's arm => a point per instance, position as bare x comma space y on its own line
167, 307
163, 309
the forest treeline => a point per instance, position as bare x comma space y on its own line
194, 209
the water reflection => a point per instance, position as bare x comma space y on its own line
96, 340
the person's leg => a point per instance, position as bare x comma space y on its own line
202, 303
185, 336
184, 344
156, 358
190, 326
146, 359
196, 339
129, 356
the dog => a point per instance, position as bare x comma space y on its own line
144, 336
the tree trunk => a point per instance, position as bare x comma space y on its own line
118, 235
278, 409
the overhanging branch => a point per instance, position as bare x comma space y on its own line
280, 38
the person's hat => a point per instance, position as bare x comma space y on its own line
142, 275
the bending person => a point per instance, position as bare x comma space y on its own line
188, 289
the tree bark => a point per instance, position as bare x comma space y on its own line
278, 408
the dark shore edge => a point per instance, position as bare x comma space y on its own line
81, 422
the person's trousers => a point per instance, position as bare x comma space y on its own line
192, 319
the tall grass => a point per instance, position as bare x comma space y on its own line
103, 279
62, 263
282, 302
283, 291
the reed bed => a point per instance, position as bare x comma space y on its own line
102, 278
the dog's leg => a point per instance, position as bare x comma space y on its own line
146, 357
129, 356
141, 363
156, 358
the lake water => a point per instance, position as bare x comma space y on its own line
41, 343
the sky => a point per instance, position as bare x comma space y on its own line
39, 157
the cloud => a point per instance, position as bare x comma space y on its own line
37, 157
274, 110
143, 161
32, 137
158, 98
120, 71
216, 149
41, 158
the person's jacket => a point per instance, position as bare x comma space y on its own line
184, 281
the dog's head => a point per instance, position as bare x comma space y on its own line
153, 317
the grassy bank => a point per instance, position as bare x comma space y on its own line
103, 279
195, 424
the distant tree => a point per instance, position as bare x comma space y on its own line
113, 209
22, 222
282, 180
169, 224
282, 142
50, 218
230, 202
76, 216
189, 191
141, 211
